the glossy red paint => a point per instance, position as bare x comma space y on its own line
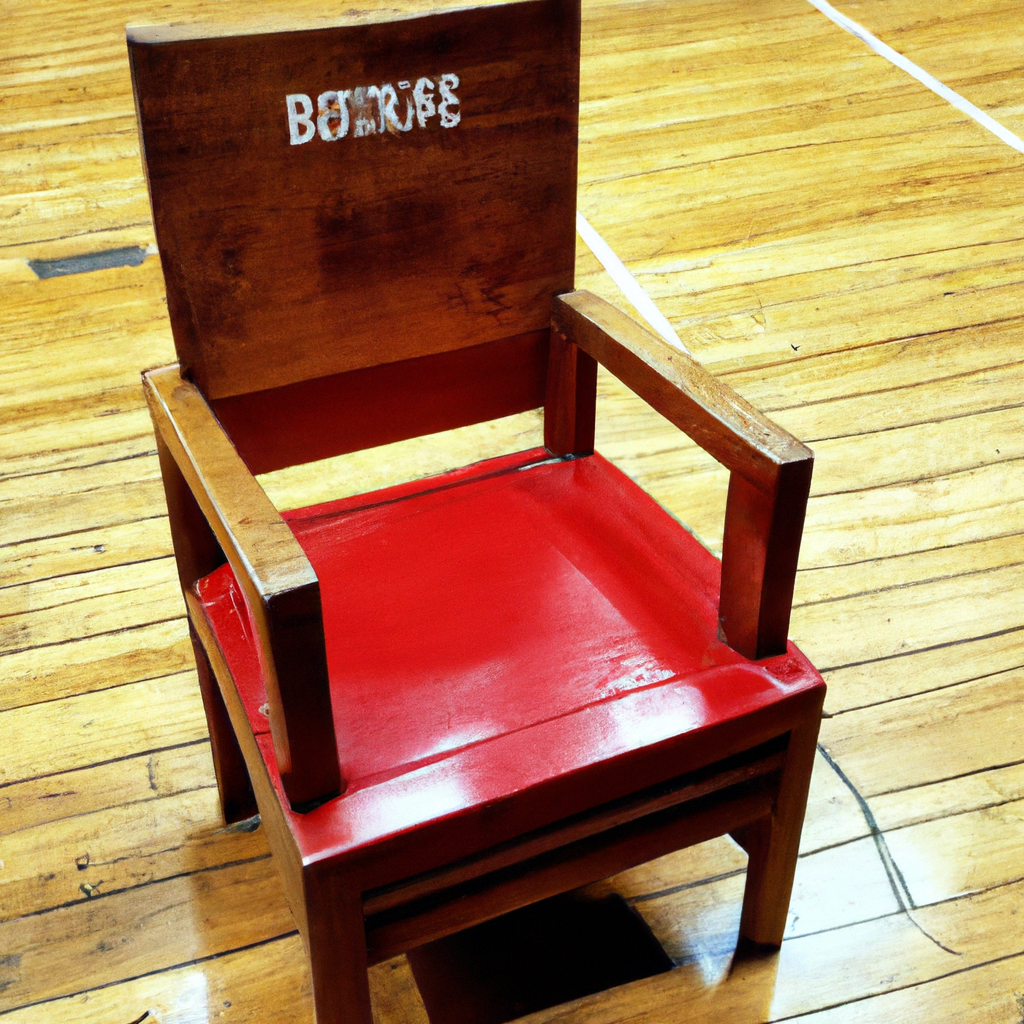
527, 637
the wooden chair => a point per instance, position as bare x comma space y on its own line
457, 696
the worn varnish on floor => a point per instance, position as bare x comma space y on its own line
839, 243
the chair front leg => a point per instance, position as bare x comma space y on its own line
335, 937
772, 844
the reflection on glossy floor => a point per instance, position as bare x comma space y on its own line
837, 242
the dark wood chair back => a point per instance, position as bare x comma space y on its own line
331, 202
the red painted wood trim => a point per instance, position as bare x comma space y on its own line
347, 412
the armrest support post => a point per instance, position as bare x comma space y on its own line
280, 587
770, 469
760, 550
571, 399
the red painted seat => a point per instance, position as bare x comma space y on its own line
518, 622
455, 697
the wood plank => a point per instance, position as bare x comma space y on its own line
103, 437
878, 459
988, 73
78, 859
998, 831
692, 898
127, 781
834, 888
661, 459
907, 189
978, 791
889, 194
949, 401
836, 582
81, 588
743, 75
837, 968
863, 378
693, 866
266, 982
108, 324
239, 905
833, 815
48, 179
89, 603
137, 444
926, 614
826, 310
941, 734
876, 681
123, 720
14, 265
108, 494
25, 413
95, 663
989, 994
819, 142
974, 504
85, 551
239, 981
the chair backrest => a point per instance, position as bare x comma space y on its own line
337, 199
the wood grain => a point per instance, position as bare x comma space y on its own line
84, 857
955, 718
411, 213
990, 79
85, 550
242, 904
977, 791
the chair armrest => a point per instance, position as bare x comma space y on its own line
279, 583
770, 469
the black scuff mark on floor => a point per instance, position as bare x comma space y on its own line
128, 256
897, 882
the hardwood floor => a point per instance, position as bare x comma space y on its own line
840, 244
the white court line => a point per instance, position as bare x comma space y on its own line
927, 80
628, 284
632, 288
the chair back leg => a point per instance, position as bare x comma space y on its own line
237, 799
197, 553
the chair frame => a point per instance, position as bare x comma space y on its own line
255, 277
217, 509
